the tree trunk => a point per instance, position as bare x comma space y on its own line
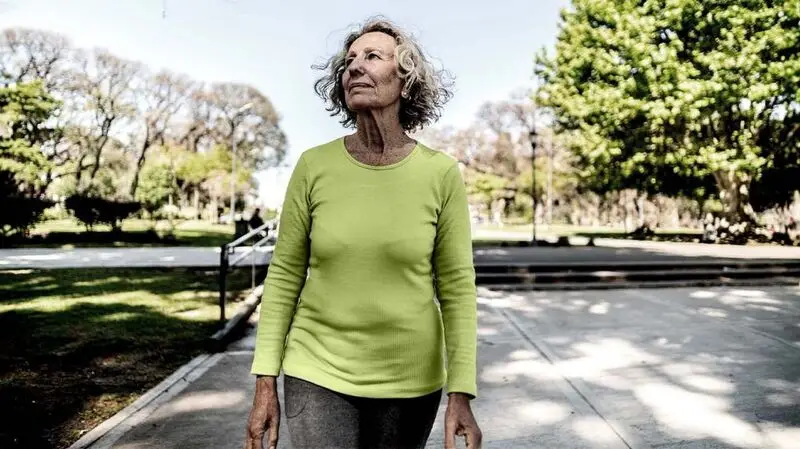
136, 172
100, 144
599, 207
97, 154
79, 172
196, 202
640, 212
734, 193
550, 189
140, 162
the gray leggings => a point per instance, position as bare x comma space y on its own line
319, 418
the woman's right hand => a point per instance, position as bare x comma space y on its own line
265, 416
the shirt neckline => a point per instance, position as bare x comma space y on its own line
397, 164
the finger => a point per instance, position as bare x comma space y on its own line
273, 433
254, 439
252, 443
474, 438
449, 434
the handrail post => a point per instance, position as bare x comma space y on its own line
225, 262
223, 275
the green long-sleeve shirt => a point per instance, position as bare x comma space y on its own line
363, 255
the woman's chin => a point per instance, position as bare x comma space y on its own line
358, 106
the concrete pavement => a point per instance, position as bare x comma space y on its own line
179, 256
606, 251
678, 368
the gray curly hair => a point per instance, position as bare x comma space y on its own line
426, 89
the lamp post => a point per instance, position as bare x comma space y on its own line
533, 180
236, 115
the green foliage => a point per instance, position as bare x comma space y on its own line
86, 121
681, 97
269, 214
211, 170
487, 187
92, 210
20, 213
156, 185
24, 112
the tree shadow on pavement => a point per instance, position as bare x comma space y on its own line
668, 368
686, 368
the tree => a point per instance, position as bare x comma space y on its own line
157, 186
106, 99
496, 153
29, 55
114, 114
19, 212
681, 97
160, 96
24, 112
260, 142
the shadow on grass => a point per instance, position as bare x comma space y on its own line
144, 238
658, 236
23, 285
81, 344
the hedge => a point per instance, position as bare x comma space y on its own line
92, 211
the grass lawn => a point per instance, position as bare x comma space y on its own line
68, 233
81, 344
570, 230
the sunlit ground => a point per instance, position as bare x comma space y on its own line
717, 368
668, 369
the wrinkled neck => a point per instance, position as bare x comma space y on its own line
380, 131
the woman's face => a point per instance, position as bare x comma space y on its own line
370, 79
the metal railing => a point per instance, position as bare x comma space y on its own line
229, 258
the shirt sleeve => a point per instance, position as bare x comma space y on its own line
286, 275
455, 284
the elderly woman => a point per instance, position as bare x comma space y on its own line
371, 288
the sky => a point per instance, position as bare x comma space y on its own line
489, 46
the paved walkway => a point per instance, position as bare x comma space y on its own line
605, 251
180, 256
680, 368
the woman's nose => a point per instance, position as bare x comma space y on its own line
355, 65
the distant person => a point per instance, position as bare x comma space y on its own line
380, 223
255, 219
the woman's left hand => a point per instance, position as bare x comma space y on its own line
459, 421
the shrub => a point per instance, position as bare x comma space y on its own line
21, 213
91, 210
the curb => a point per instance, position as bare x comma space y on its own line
240, 319
644, 285
110, 430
